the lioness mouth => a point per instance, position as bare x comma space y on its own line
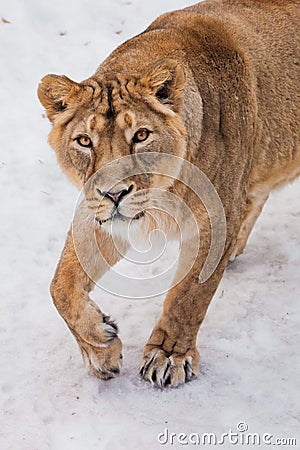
119, 216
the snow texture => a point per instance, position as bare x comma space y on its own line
249, 342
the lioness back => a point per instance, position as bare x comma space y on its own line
268, 31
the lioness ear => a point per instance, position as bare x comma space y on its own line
165, 80
54, 91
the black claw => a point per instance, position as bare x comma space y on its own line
153, 376
167, 381
115, 370
146, 366
187, 370
166, 370
109, 321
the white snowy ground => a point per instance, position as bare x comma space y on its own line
249, 342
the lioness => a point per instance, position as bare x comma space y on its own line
215, 84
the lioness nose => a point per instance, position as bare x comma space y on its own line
116, 197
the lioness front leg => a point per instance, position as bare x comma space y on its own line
170, 356
94, 332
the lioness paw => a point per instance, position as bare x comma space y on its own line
104, 360
101, 348
169, 370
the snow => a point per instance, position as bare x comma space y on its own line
249, 341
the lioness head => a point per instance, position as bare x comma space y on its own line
102, 119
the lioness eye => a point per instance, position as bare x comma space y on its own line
141, 135
84, 141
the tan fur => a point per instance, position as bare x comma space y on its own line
216, 84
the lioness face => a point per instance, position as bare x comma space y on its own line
99, 121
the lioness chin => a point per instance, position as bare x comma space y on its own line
216, 85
